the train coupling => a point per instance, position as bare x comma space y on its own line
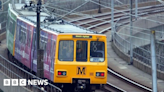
81, 84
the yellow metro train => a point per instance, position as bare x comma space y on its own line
73, 57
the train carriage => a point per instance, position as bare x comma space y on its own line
72, 55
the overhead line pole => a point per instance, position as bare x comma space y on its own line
136, 8
40, 72
153, 60
112, 18
131, 32
99, 11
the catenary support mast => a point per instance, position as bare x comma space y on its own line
153, 60
40, 72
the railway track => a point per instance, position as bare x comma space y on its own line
101, 24
112, 88
96, 23
122, 84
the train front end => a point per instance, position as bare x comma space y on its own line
81, 60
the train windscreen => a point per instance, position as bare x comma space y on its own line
97, 50
66, 50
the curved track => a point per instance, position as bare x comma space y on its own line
101, 24
123, 84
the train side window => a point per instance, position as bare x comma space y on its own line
43, 42
81, 51
17, 31
53, 49
29, 38
97, 51
8, 21
34, 39
22, 35
66, 49
11, 26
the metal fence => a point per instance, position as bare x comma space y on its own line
14, 71
141, 41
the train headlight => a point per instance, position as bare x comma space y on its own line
100, 74
62, 73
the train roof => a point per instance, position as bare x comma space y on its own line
54, 25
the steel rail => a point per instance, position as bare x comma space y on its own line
119, 15
135, 83
118, 11
141, 13
111, 71
113, 87
128, 80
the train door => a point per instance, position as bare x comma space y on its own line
23, 41
47, 59
18, 41
26, 52
33, 52
43, 46
53, 50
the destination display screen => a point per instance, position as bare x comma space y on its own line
82, 36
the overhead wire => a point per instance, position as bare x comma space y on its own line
109, 57
149, 20
75, 9
78, 14
105, 20
138, 27
125, 12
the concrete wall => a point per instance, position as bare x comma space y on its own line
151, 23
138, 64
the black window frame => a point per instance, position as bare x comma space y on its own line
86, 51
43, 42
59, 51
103, 53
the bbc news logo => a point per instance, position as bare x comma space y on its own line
24, 82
